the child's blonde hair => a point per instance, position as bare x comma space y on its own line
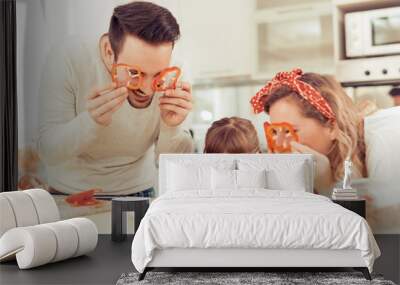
232, 135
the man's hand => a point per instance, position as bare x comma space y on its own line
176, 104
101, 104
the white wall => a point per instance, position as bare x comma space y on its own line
41, 24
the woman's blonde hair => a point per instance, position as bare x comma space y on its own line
349, 142
232, 135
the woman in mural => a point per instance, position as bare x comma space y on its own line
329, 126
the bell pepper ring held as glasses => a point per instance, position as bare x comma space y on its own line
132, 77
279, 136
167, 79
128, 75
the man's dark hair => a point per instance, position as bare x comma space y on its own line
395, 91
147, 21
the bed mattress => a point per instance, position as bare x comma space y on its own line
250, 219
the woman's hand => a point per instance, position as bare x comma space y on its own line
176, 104
323, 180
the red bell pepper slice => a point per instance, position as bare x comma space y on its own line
84, 198
279, 136
160, 84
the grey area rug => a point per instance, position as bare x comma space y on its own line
231, 278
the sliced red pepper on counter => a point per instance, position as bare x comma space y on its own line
84, 198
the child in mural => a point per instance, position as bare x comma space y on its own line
329, 126
104, 117
232, 135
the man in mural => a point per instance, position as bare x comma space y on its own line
395, 93
99, 132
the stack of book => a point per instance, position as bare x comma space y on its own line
344, 194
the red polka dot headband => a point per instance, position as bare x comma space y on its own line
305, 90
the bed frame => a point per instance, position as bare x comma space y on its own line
248, 259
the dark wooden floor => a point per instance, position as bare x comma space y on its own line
103, 266
110, 260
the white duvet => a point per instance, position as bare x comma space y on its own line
253, 218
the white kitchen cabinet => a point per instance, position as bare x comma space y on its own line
216, 37
291, 34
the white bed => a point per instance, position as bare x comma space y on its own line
197, 224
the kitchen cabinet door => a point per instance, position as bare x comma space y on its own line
293, 34
216, 37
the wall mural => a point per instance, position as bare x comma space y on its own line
96, 109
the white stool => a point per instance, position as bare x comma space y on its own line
31, 232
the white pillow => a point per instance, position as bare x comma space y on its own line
184, 174
223, 179
251, 178
293, 180
282, 174
181, 177
227, 179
